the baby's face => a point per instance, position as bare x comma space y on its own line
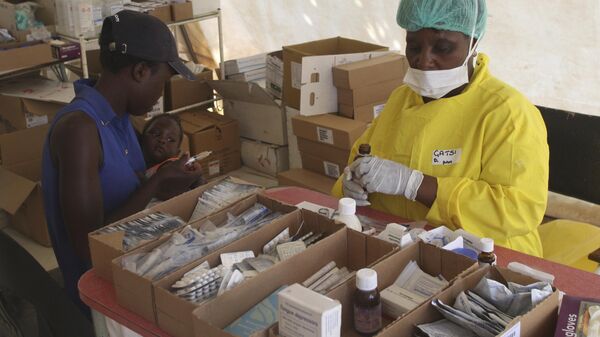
161, 140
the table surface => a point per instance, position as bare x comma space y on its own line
99, 294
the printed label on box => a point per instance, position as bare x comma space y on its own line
332, 170
325, 135
296, 75
214, 168
377, 110
32, 120
515, 331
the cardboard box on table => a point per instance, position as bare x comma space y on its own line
366, 95
293, 58
259, 116
174, 314
346, 247
370, 72
264, 157
136, 292
208, 131
179, 92
329, 129
106, 247
322, 158
540, 321
366, 113
431, 259
306, 179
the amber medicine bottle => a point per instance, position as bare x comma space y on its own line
364, 150
487, 256
367, 303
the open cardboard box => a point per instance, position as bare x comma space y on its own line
136, 292
540, 321
174, 314
346, 247
259, 116
24, 113
106, 247
431, 259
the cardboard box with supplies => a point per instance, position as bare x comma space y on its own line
220, 162
292, 61
347, 248
431, 259
322, 158
105, 247
306, 179
259, 116
180, 92
369, 72
44, 12
20, 173
210, 131
366, 113
23, 113
367, 95
18, 55
322, 166
136, 292
329, 129
539, 321
174, 313
181, 11
263, 157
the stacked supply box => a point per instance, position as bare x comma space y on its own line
363, 87
274, 80
247, 69
262, 124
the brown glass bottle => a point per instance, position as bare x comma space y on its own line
363, 151
487, 256
367, 303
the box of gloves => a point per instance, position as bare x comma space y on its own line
135, 272
150, 224
177, 295
493, 301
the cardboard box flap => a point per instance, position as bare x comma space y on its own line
242, 91
15, 190
41, 108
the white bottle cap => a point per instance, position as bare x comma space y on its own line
486, 245
366, 279
347, 206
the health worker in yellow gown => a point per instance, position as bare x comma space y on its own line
454, 145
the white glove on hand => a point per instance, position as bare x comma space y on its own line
386, 176
352, 189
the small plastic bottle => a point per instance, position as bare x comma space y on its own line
487, 256
347, 214
367, 303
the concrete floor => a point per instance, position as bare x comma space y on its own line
45, 256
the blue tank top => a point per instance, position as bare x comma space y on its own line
122, 158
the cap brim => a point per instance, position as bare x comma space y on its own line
182, 70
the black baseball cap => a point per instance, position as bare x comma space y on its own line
143, 36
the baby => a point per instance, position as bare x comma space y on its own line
161, 141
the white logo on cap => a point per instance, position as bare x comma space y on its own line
116, 18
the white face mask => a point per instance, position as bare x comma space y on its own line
438, 83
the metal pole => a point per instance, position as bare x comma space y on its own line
84, 65
221, 52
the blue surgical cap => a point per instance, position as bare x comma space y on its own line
451, 15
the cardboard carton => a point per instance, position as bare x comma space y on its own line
329, 129
306, 179
136, 292
346, 247
367, 95
369, 72
180, 92
209, 131
431, 259
263, 157
24, 113
18, 55
181, 11
322, 158
8, 17
220, 162
322, 166
292, 61
540, 321
295, 161
366, 113
245, 64
274, 74
106, 247
259, 116
163, 13
174, 314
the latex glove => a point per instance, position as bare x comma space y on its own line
352, 189
385, 176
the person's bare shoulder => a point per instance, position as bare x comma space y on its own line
75, 132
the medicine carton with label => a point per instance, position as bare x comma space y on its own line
136, 292
346, 248
540, 320
432, 260
105, 246
174, 314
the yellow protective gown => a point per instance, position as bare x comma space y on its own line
487, 148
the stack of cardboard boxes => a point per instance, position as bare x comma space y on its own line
248, 69
274, 75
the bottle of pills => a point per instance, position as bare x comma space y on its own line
487, 256
367, 303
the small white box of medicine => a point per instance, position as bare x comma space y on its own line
305, 313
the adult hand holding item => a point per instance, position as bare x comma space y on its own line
385, 176
176, 177
354, 190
